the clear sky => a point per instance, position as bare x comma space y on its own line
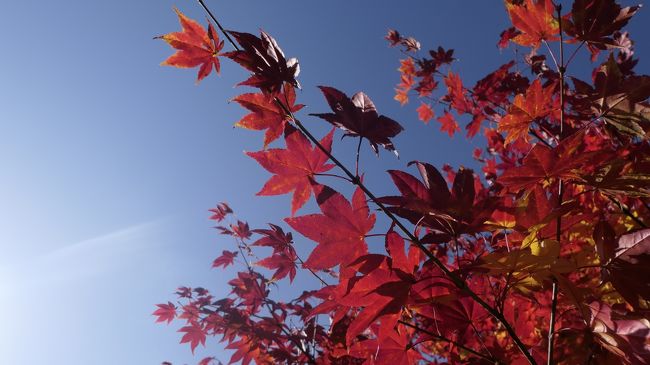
109, 162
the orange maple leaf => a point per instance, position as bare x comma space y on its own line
525, 109
195, 46
425, 113
407, 77
535, 20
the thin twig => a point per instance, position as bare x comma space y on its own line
445, 339
554, 291
219, 25
534, 133
575, 52
312, 271
356, 165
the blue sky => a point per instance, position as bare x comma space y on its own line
109, 162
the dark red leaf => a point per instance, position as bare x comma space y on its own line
264, 58
358, 117
596, 22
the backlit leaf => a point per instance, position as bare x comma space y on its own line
536, 21
293, 167
359, 117
266, 114
340, 230
195, 46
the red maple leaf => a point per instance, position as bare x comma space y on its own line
426, 85
284, 263
240, 230
226, 258
251, 288
448, 124
358, 117
456, 93
264, 58
537, 103
194, 334
340, 231
248, 349
293, 167
265, 113
425, 113
220, 212
535, 20
430, 203
461, 314
384, 287
393, 348
195, 46
274, 237
165, 312
544, 163
506, 36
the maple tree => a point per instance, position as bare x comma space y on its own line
544, 258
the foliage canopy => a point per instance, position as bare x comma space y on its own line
541, 257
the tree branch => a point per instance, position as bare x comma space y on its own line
554, 291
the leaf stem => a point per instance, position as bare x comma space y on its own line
333, 175
311, 271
